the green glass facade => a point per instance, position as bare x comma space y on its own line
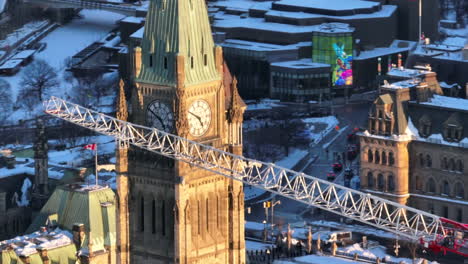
335, 49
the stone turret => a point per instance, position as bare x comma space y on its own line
41, 176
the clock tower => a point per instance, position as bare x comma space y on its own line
179, 213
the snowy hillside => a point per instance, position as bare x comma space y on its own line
2, 5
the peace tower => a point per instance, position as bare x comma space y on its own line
178, 213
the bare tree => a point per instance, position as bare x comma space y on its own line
38, 78
5, 100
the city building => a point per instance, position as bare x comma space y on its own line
78, 223
177, 213
449, 61
300, 80
415, 148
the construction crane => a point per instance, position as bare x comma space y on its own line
434, 232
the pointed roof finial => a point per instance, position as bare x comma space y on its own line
122, 111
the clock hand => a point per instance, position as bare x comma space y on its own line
198, 117
159, 118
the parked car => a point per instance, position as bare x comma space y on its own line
337, 167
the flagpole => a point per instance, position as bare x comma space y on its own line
96, 165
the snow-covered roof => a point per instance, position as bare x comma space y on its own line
448, 102
402, 84
330, 4
11, 64
300, 64
134, 20
29, 244
334, 28
24, 54
256, 46
408, 73
2, 5
396, 47
138, 34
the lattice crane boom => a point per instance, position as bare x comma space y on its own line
401, 220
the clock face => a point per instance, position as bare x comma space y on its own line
199, 117
160, 116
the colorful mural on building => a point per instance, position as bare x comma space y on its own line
336, 49
342, 72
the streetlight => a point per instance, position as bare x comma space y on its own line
273, 204
264, 230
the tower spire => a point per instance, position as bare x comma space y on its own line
122, 111
177, 28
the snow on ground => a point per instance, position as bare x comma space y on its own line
264, 104
317, 136
454, 41
74, 156
22, 32
354, 228
380, 252
288, 162
294, 157
315, 259
2, 5
253, 245
62, 43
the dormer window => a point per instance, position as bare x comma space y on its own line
151, 60
165, 63
453, 133
191, 62
452, 129
425, 126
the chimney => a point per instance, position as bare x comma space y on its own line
78, 234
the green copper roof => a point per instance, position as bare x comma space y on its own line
93, 208
177, 27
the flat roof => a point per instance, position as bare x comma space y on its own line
300, 64
255, 46
24, 54
139, 33
336, 5
409, 73
448, 102
402, 84
11, 64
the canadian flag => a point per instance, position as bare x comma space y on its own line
90, 147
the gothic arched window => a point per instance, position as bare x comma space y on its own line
370, 156
428, 161
391, 159
391, 183
370, 180
153, 216
452, 164
421, 159
445, 188
163, 217
445, 164
431, 186
459, 166
377, 157
380, 181
142, 214
459, 191
384, 158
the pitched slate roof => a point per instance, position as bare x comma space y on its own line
93, 207
177, 27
